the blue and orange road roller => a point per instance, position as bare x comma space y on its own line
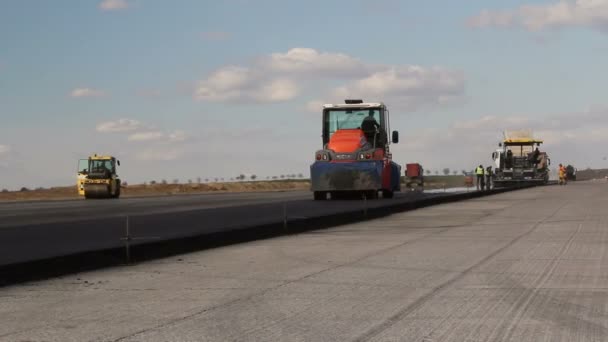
356, 155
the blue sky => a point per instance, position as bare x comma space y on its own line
215, 89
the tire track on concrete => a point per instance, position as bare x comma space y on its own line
474, 296
392, 320
522, 305
261, 293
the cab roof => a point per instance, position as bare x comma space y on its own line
355, 105
96, 157
522, 141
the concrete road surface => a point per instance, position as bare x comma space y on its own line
529, 265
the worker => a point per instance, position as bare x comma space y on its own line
562, 175
479, 172
373, 131
488, 177
509, 161
533, 157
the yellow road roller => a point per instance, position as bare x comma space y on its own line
97, 177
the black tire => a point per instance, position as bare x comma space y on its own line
320, 195
371, 194
387, 194
117, 194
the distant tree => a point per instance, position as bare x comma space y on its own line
152, 182
282, 176
164, 181
175, 181
267, 177
464, 172
145, 183
231, 178
253, 177
24, 189
206, 180
241, 177
455, 172
216, 179
300, 175
198, 180
4, 190
189, 181
446, 171
436, 172
428, 172
274, 177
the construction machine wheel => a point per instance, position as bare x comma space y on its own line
97, 191
117, 194
371, 194
320, 195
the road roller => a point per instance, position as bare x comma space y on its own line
97, 177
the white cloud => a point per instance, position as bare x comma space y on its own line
407, 86
113, 5
276, 91
240, 84
146, 136
86, 92
139, 132
121, 125
307, 61
560, 14
282, 76
177, 136
216, 35
4, 150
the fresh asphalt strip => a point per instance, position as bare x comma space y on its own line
40, 251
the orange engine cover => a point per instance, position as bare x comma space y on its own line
347, 140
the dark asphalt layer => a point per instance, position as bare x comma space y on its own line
38, 230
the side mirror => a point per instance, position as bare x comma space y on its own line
395, 137
499, 144
493, 155
118, 162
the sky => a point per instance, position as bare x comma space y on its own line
210, 89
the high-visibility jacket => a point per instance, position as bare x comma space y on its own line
479, 171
